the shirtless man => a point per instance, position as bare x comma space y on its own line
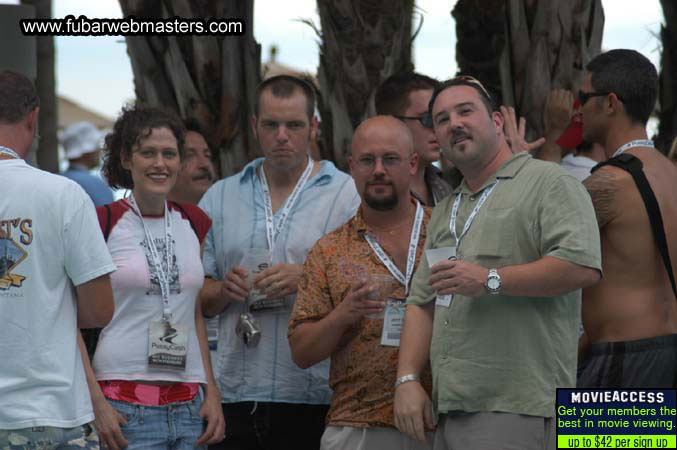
630, 316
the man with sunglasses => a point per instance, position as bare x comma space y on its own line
630, 316
406, 96
499, 313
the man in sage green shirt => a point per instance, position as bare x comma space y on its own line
501, 319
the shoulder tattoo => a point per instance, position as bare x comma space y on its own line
602, 186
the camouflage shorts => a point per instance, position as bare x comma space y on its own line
82, 437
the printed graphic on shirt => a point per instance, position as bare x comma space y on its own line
14, 235
174, 282
169, 333
352, 270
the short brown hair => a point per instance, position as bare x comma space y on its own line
284, 86
134, 124
392, 96
631, 76
465, 80
18, 97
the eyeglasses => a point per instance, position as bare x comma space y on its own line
426, 119
369, 162
583, 97
472, 80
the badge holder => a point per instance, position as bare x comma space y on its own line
258, 303
393, 322
274, 305
256, 261
167, 345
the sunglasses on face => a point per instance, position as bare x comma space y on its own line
583, 97
426, 119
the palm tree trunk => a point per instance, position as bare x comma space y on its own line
48, 122
363, 43
210, 79
524, 48
667, 128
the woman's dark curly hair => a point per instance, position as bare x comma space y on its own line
133, 124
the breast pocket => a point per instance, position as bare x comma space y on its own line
494, 237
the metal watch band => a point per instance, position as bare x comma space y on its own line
405, 379
493, 276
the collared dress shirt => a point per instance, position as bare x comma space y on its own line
266, 373
363, 371
506, 353
440, 183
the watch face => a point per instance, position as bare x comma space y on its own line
493, 283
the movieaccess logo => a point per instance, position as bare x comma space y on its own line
616, 418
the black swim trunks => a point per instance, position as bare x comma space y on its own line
645, 363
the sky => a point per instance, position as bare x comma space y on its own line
95, 71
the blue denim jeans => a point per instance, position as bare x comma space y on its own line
169, 427
50, 438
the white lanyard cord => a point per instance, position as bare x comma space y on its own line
471, 218
8, 152
411, 255
273, 230
157, 268
631, 144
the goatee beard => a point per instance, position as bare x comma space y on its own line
382, 203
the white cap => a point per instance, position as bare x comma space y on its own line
80, 138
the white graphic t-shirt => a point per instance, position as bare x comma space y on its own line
49, 241
122, 350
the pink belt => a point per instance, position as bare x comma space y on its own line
148, 395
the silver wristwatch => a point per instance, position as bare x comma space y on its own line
493, 283
406, 378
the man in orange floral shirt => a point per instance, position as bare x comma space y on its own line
341, 313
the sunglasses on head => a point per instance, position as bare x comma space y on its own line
426, 120
472, 80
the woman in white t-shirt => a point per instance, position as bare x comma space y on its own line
152, 358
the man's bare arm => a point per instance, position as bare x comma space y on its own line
415, 341
557, 113
95, 303
412, 407
544, 278
312, 342
551, 151
603, 188
541, 278
211, 297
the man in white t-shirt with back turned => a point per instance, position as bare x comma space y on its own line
54, 268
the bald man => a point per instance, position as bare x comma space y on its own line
351, 295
